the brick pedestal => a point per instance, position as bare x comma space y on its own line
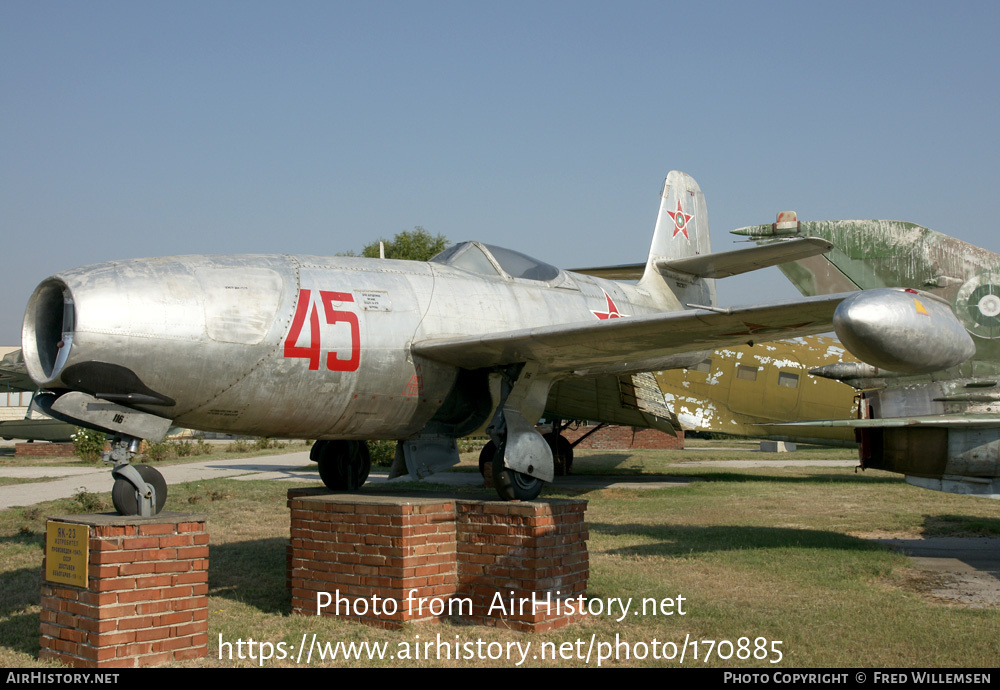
381, 560
523, 565
388, 560
146, 599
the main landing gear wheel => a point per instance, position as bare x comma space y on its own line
126, 498
343, 465
512, 485
562, 453
486, 455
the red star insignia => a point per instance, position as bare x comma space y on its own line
680, 220
611, 313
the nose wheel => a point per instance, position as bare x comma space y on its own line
130, 499
138, 489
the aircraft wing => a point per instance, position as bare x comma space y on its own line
634, 343
943, 420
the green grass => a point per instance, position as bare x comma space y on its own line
218, 452
774, 553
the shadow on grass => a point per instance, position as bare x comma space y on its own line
684, 540
961, 526
586, 484
743, 477
252, 573
21, 588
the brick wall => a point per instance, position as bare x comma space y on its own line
613, 437
55, 450
146, 600
388, 560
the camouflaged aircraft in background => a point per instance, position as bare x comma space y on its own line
18, 417
750, 390
942, 430
348, 349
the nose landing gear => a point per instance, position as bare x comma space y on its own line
138, 489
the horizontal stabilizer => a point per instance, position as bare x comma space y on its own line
620, 272
731, 263
720, 264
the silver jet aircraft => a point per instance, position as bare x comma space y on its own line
347, 350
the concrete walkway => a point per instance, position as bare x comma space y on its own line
99, 480
287, 467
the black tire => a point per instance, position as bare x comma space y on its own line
343, 465
486, 455
562, 454
126, 499
512, 485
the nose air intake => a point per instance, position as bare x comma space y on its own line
47, 334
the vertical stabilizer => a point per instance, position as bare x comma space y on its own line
681, 231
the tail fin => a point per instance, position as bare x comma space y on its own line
681, 231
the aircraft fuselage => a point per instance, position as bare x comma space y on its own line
287, 346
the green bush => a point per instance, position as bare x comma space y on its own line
158, 451
265, 443
87, 502
88, 444
382, 452
240, 445
472, 444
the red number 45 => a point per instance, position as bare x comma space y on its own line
312, 350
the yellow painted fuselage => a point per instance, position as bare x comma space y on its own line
745, 390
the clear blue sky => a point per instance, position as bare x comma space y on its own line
132, 129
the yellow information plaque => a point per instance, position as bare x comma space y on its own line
67, 551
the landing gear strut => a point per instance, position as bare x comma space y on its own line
343, 465
522, 460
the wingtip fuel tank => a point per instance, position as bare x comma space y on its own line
902, 330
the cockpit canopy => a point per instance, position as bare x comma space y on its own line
487, 260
